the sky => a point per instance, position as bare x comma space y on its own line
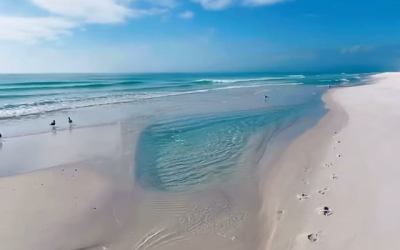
56, 36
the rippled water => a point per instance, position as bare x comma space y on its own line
27, 95
184, 153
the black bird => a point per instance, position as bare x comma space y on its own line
53, 123
69, 120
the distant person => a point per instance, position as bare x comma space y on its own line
69, 120
265, 98
53, 123
1, 135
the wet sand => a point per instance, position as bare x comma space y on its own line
335, 187
76, 189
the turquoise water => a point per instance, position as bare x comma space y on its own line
188, 152
30, 95
198, 128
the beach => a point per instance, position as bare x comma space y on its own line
199, 125
346, 163
206, 168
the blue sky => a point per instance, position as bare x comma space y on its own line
198, 35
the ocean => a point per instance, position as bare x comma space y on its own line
195, 129
29, 95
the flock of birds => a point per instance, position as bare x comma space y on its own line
53, 123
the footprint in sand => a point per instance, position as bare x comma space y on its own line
323, 191
335, 177
302, 197
279, 214
305, 181
313, 237
326, 211
328, 165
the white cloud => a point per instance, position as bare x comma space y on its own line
261, 2
163, 3
214, 4
355, 49
186, 14
137, 13
99, 11
222, 4
32, 29
94, 11
65, 15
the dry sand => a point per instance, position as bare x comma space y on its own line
349, 164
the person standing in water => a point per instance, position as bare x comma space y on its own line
53, 123
69, 120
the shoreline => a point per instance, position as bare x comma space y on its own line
285, 177
338, 164
224, 214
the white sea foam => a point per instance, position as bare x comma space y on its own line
242, 80
57, 104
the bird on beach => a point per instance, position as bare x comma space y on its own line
69, 120
53, 123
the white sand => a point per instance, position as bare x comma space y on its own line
358, 142
82, 195
77, 201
